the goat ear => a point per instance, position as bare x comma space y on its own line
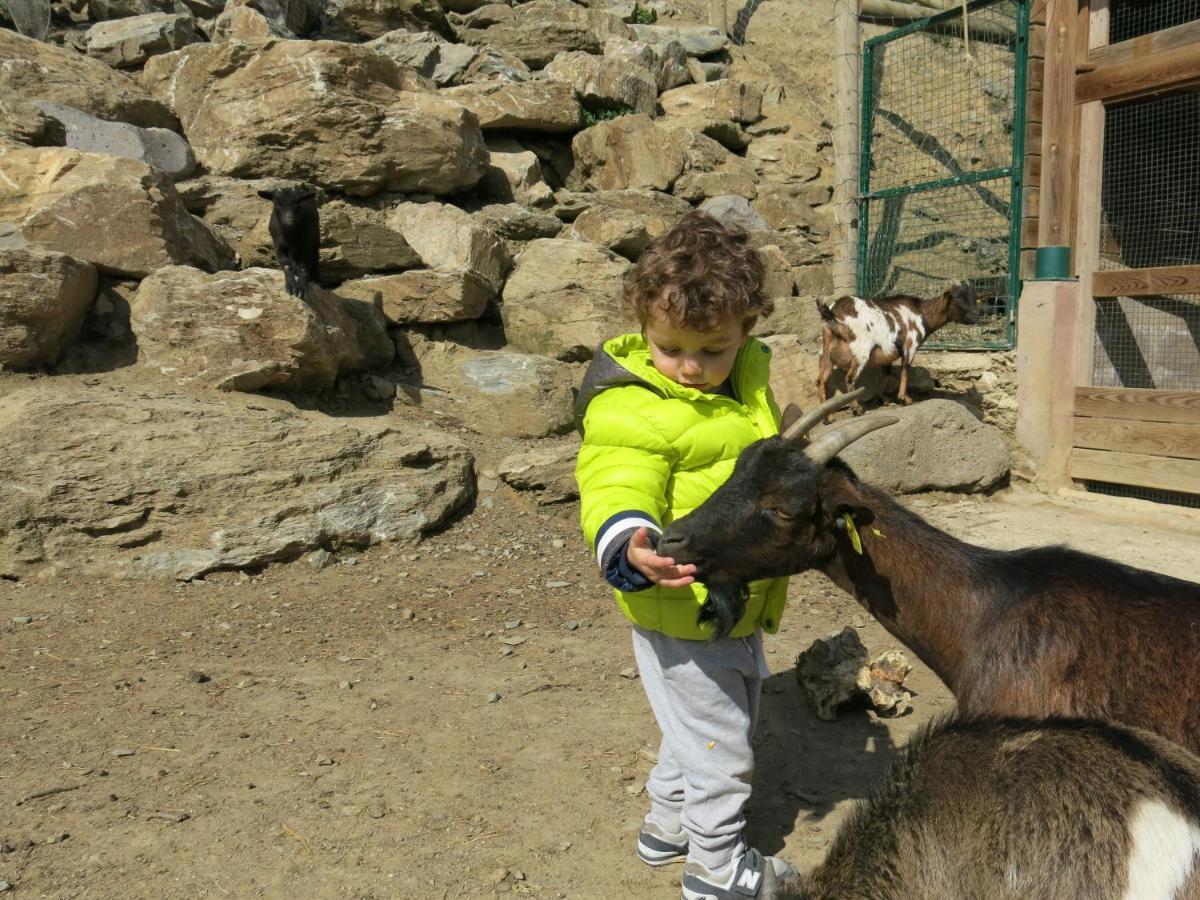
838, 508
790, 414
267, 195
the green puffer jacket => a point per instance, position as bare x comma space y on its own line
654, 450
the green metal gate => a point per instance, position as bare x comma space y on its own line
943, 145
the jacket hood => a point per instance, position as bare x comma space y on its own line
626, 359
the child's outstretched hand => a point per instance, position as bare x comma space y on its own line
659, 569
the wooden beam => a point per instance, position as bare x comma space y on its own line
1058, 124
1090, 171
847, 82
1139, 404
1147, 45
1140, 470
1140, 76
1033, 113
1131, 436
1147, 282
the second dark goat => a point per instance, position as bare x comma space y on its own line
1044, 631
295, 228
858, 334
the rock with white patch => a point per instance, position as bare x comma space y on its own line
541, 106
498, 393
241, 331
206, 483
541, 29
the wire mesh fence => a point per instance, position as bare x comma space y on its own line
31, 17
1150, 192
942, 150
1132, 18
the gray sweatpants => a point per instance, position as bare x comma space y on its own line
704, 695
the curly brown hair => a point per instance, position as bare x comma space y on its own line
700, 274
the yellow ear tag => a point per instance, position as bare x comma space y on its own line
878, 533
851, 530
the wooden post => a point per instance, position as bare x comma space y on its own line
847, 85
1058, 125
717, 15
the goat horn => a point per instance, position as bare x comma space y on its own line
801, 426
830, 444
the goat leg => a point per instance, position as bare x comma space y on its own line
902, 396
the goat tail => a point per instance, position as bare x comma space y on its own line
724, 607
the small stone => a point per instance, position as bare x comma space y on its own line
325, 761
513, 641
4, 886
122, 753
393, 606
319, 559
572, 626
559, 543
628, 672
407, 614
344, 685
493, 697
635, 788
247, 682
198, 677
22, 620
558, 584
507, 651
350, 561
512, 623
377, 810
564, 846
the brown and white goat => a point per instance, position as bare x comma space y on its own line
858, 333
1044, 631
1063, 809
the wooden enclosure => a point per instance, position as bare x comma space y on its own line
1094, 427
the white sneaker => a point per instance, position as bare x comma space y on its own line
748, 875
658, 847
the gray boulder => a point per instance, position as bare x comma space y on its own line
156, 147
937, 445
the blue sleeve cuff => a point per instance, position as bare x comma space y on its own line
620, 574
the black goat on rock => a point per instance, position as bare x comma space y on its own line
296, 233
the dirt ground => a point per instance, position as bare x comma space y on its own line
452, 720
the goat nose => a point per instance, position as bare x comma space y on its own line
671, 544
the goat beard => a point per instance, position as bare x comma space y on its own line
724, 607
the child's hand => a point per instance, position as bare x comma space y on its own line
659, 569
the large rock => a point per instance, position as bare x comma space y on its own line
518, 223
120, 481
44, 298
127, 43
790, 206
241, 331
423, 296
233, 209
778, 157
937, 445
23, 122
667, 60
118, 214
544, 106
157, 147
368, 124
450, 240
487, 64
497, 393
603, 82
102, 10
362, 20
628, 152
541, 29
37, 71
734, 210
289, 18
419, 50
514, 174
736, 101
696, 40
548, 470
627, 221
563, 298
239, 22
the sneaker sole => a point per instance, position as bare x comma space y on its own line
659, 858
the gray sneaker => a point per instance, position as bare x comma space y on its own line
658, 847
748, 875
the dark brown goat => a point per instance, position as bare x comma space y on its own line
295, 228
996, 810
858, 334
1037, 632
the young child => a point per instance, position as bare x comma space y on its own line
665, 414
